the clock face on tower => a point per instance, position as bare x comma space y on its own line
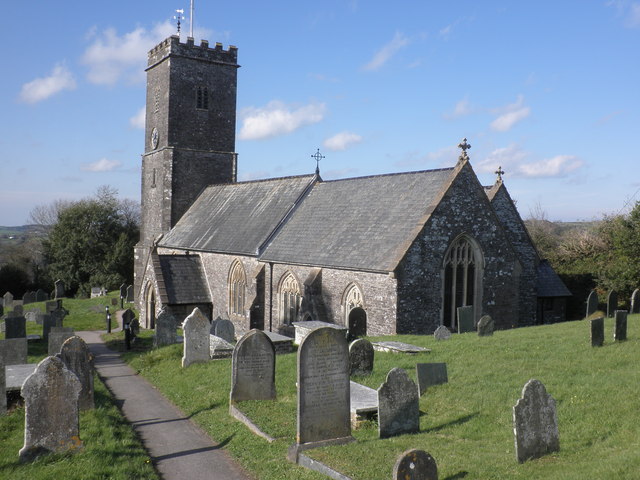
154, 138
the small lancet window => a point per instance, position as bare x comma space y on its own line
202, 98
290, 300
153, 179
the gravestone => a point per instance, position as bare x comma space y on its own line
127, 317
225, 330
592, 303
361, 357
465, 319
219, 347
597, 332
29, 297
77, 358
34, 316
50, 306
635, 301
15, 327
442, 333
114, 302
48, 322
430, 374
1, 310
18, 310
486, 326
612, 303
166, 326
123, 290
620, 331
41, 295
415, 465
58, 315
129, 292
253, 368
51, 410
58, 289
7, 301
398, 405
57, 336
196, 338
535, 423
14, 351
323, 389
3, 386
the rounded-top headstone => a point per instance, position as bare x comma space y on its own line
415, 465
485, 326
196, 338
361, 357
76, 356
442, 333
253, 368
225, 330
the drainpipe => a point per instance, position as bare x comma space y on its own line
270, 296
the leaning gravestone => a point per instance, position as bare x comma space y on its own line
465, 319
57, 336
129, 297
253, 370
620, 332
612, 303
76, 356
442, 333
58, 289
14, 351
165, 329
398, 405
361, 357
535, 423
485, 326
323, 390
41, 295
51, 410
597, 332
196, 338
430, 374
592, 303
635, 301
415, 465
7, 301
29, 297
225, 330
15, 327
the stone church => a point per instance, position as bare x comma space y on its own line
380, 255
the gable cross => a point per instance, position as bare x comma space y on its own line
317, 156
499, 172
464, 146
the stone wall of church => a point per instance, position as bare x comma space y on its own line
464, 209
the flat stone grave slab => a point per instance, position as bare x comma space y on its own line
17, 374
399, 347
219, 347
305, 328
14, 351
364, 403
282, 343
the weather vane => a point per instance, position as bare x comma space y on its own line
178, 17
464, 146
317, 156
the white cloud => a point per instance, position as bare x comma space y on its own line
137, 121
102, 165
630, 11
558, 166
383, 55
462, 109
515, 163
444, 32
42, 88
276, 118
341, 141
509, 115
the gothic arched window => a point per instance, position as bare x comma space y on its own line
237, 287
290, 299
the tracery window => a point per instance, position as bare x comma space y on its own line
462, 264
353, 299
237, 288
290, 299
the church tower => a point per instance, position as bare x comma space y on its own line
189, 133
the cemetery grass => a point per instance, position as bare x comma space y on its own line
466, 425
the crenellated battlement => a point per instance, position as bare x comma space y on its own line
172, 46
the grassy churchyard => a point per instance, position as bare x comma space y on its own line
466, 425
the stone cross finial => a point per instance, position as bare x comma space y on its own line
464, 146
317, 156
499, 172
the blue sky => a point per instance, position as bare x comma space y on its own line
546, 89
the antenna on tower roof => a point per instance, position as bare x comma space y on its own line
191, 20
178, 17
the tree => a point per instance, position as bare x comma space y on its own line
91, 243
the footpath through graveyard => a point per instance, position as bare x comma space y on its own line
178, 448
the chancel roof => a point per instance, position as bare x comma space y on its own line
182, 279
549, 283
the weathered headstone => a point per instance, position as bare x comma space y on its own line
592, 303
3, 386
48, 322
50, 306
59, 315
635, 301
430, 374
361, 357
7, 301
41, 295
465, 319
398, 405
196, 338
323, 388
219, 347
34, 316
15, 327
225, 330
18, 310
442, 333
612, 303
14, 351
114, 302
535, 422
129, 297
486, 326
166, 326
76, 356
620, 331
29, 297
253, 368
58, 289
57, 336
597, 332
51, 410
415, 465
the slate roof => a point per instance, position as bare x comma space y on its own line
182, 280
549, 283
236, 218
364, 223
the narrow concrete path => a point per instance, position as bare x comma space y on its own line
178, 448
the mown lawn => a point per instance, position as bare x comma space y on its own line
466, 425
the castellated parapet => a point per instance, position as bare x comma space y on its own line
172, 47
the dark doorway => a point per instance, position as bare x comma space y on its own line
357, 322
